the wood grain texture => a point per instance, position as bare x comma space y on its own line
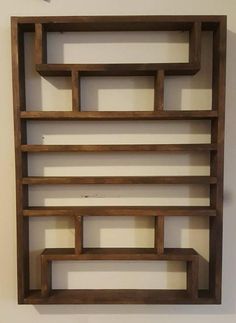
121, 23
170, 254
142, 69
18, 77
217, 160
118, 296
116, 115
75, 85
120, 211
195, 26
117, 180
119, 148
159, 234
40, 44
159, 90
78, 234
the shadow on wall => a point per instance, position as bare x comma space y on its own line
229, 263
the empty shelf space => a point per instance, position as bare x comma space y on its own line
118, 148
173, 254
44, 180
114, 115
120, 211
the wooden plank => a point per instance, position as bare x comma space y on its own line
195, 44
78, 234
114, 115
40, 44
169, 254
46, 276
120, 23
192, 277
124, 69
118, 296
50, 180
119, 148
159, 90
159, 234
75, 84
18, 75
120, 211
217, 160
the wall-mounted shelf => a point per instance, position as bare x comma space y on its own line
195, 26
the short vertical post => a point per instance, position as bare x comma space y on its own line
192, 277
159, 91
40, 44
75, 90
78, 234
159, 234
46, 276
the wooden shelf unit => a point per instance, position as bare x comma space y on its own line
195, 25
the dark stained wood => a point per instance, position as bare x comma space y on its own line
217, 160
192, 277
115, 115
159, 90
171, 254
119, 148
195, 44
40, 44
46, 276
142, 69
195, 25
39, 180
159, 234
78, 234
119, 296
18, 77
120, 211
75, 90
120, 23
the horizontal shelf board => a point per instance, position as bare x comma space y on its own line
117, 69
119, 23
41, 180
117, 115
172, 254
118, 148
118, 296
120, 211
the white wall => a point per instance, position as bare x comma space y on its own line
184, 232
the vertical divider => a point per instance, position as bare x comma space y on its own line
46, 276
19, 103
40, 44
217, 159
78, 234
159, 234
75, 83
192, 277
159, 90
195, 44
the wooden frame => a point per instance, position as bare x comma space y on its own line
195, 25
